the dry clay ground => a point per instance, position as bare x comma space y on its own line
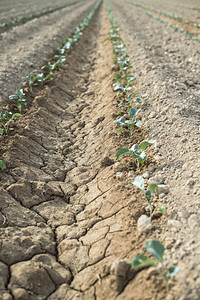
68, 226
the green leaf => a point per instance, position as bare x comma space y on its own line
20, 93
153, 187
141, 261
141, 156
133, 112
138, 100
139, 182
13, 97
145, 144
15, 115
2, 165
1, 131
119, 87
130, 96
121, 152
161, 209
173, 271
120, 121
134, 148
120, 129
148, 195
121, 105
138, 123
155, 248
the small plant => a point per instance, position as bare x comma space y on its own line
136, 151
2, 164
30, 81
148, 193
5, 121
130, 124
157, 250
39, 78
19, 96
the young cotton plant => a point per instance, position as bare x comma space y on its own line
157, 249
130, 124
5, 119
148, 193
135, 151
19, 97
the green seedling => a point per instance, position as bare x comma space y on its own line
39, 78
148, 193
30, 81
135, 151
130, 124
51, 68
5, 119
157, 249
19, 96
2, 164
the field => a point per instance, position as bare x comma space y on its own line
99, 150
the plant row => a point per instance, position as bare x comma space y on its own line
129, 122
36, 14
175, 27
7, 117
166, 14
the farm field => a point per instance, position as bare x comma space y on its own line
99, 150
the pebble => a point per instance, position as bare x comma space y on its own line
151, 167
193, 220
152, 114
144, 224
145, 175
131, 174
89, 93
120, 175
174, 223
190, 183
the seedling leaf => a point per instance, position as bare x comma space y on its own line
2, 165
173, 271
155, 248
153, 187
121, 152
133, 112
138, 100
145, 144
138, 123
139, 182
119, 87
120, 121
15, 116
141, 261
134, 148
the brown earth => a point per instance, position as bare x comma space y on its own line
187, 27
27, 48
68, 226
175, 8
68, 221
166, 64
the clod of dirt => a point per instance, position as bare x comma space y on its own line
122, 271
107, 161
144, 224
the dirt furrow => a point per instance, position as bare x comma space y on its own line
186, 27
167, 68
9, 24
29, 47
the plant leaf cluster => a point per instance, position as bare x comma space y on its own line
157, 249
